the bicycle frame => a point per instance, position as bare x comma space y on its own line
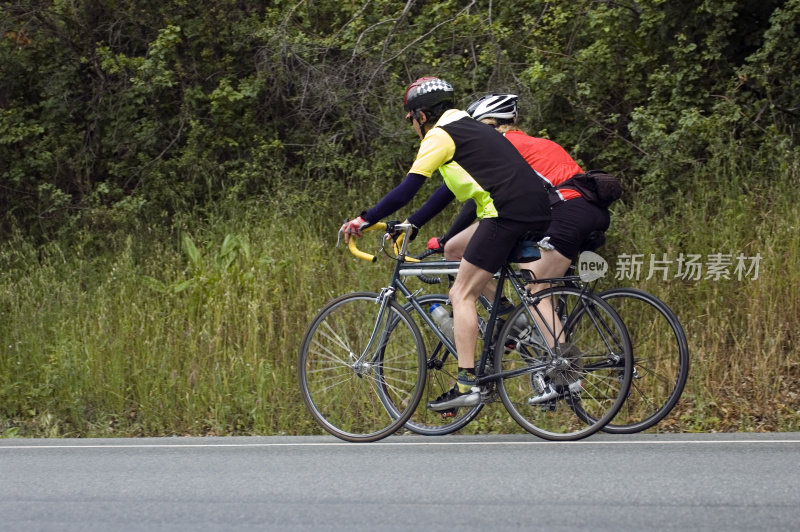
538, 359
406, 266
505, 274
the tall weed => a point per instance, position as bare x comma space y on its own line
195, 329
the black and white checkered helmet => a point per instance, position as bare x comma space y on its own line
426, 92
500, 106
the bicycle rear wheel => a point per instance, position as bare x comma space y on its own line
569, 392
660, 357
344, 391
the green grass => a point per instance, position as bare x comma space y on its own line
194, 329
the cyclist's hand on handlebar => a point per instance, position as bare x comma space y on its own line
434, 245
354, 227
414, 230
392, 231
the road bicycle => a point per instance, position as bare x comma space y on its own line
363, 363
660, 352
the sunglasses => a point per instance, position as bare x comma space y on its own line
413, 115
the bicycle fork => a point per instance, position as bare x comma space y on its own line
363, 364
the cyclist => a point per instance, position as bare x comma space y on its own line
573, 218
476, 164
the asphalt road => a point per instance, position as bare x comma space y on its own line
641, 482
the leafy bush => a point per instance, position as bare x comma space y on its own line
172, 176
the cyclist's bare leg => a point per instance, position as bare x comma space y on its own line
551, 264
454, 250
463, 295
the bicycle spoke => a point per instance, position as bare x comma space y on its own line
583, 378
354, 394
441, 377
661, 359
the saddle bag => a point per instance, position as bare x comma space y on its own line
596, 186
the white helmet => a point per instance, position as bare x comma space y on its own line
499, 106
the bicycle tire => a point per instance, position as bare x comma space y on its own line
572, 396
660, 356
347, 398
441, 376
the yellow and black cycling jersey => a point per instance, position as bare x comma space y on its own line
478, 163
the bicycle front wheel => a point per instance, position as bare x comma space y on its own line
570, 391
349, 363
441, 376
660, 359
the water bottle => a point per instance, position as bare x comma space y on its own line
524, 329
444, 320
520, 324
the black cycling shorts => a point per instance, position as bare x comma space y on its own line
571, 223
495, 239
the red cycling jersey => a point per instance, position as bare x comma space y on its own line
548, 159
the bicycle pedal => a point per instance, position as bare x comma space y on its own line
449, 413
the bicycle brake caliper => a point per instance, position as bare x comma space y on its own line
387, 292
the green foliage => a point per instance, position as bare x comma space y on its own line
157, 160
177, 108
